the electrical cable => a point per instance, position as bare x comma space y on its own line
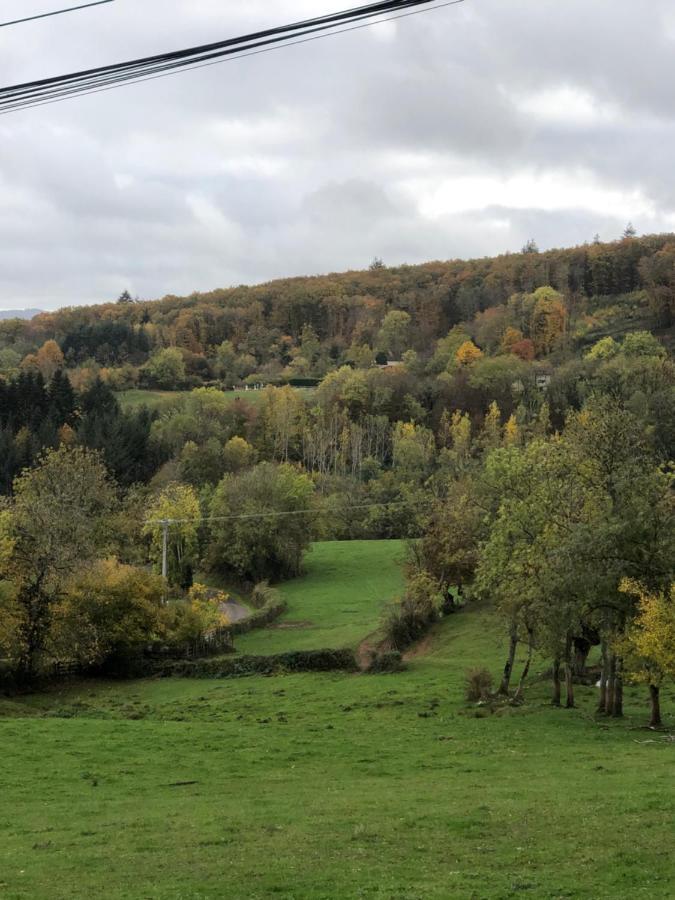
149, 68
56, 12
293, 512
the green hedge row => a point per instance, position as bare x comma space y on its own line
260, 619
238, 666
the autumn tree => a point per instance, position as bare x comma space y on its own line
490, 436
49, 359
413, 451
549, 320
282, 416
649, 642
57, 523
468, 354
178, 505
628, 524
238, 455
107, 610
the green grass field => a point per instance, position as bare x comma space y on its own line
165, 400
338, 602
160, 400
333, 786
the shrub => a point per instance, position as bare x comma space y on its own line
409, 620
386, 662
239, 666
263, 594
479, 684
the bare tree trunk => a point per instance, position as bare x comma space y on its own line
508, 668
556, 682
655, 703
617, 705
582, 648
569, 685
611, 683
526, 671
602, 699
569, 674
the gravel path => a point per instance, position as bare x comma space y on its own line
235, 612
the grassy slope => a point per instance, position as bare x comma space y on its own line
338, 602
332, 786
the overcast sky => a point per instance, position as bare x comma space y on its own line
460, 132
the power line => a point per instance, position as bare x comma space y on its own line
56, 12
292, 512
53, 90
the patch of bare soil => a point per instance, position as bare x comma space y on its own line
368, 648
235, 612
421, 648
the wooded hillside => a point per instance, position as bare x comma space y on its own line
303, 327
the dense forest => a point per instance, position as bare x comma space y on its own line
513, 417
305, 327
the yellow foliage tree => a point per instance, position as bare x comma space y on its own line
413, 450
512, 433
49, 359
107, 609
179, 505
460, 431
649, 642
6, 540
238, 455
490, 437
468, 354
549, 320
201, 614
208, 605
9, 610
512, 337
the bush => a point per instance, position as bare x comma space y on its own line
264, 595
479, 684
260, 619
386, 662
296, 661
410, 619
108, 610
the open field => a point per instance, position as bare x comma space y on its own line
160, 400
338, 602
165, 400
333, 786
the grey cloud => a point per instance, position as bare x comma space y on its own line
300, 161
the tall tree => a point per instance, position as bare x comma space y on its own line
57, 523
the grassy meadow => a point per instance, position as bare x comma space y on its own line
166, 400
155, 400
338, 602
333, 786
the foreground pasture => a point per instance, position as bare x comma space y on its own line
333, 786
